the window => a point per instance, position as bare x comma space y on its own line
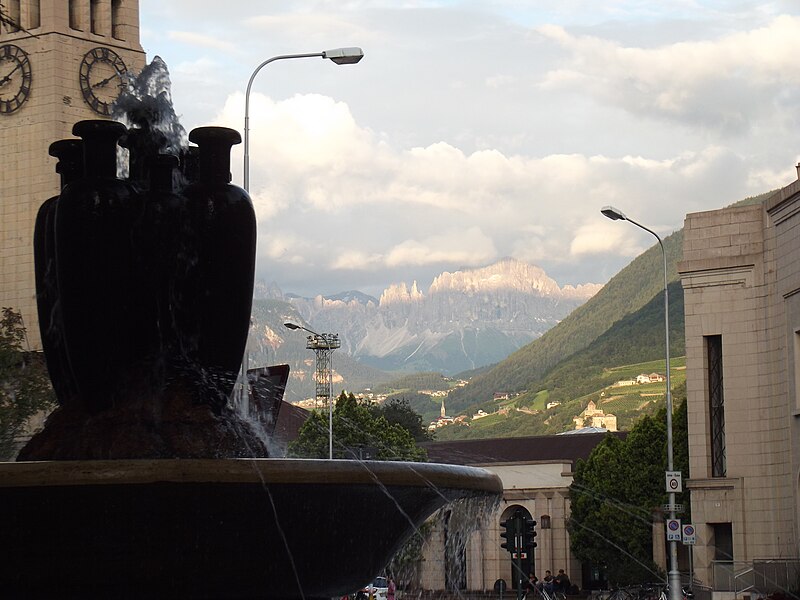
797, 369
544, 522
116, 24
12, 13
74, 19
94, 16
716, 405
723, 541
35, 15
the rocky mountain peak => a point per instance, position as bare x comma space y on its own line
399, 293
507, 274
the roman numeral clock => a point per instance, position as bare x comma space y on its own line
15, 78
102, 78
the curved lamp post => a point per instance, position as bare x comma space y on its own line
323, 345
341, 56
674, 576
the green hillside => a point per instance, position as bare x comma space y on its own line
638, 284
628, 291
632, 346
617, 334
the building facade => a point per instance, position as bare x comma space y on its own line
62, 61
536, 473
741, 280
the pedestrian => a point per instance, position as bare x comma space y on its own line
561, 582
531, 585
390, 588
547, 582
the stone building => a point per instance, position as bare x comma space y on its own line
595, 417
536, 473
741, 278
64, 60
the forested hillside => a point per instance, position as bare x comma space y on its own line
627, 292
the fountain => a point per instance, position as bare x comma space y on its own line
145, 482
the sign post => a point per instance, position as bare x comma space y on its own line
690, 539
689, 535
673, 530
674, 482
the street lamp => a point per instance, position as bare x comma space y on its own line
323, 345
674, 576
341, 56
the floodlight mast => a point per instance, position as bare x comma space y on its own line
323, 345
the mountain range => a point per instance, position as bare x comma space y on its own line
467, 319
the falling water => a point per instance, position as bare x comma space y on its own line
146, 105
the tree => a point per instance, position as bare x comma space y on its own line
398, 411
24, 384
614, 493
355, 427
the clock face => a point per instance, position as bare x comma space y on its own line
15, 78
102, 78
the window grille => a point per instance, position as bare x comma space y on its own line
716, 404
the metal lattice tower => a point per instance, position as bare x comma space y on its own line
323, 345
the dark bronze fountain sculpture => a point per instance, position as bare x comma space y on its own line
145, 482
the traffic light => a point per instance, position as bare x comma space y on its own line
509, 535
529, 534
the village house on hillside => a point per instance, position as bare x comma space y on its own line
640, 379
651, 378
595, 417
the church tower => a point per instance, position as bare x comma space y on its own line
61, 61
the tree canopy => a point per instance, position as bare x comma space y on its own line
615, 491
358, 431
24, 384
398, 411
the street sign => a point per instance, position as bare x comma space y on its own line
689, 535
674, 483
673, 530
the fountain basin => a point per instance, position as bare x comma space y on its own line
208, 528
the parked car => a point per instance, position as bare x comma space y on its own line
377, 590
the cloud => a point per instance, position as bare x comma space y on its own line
355, 260
479, 130
602, 238
470, 246
340, 198
205, 41
721, 84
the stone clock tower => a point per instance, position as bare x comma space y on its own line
61, 61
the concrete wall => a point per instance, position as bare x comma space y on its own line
740, 277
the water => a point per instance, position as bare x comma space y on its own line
146, 105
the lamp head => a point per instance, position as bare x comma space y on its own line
613, 213
291, 326
344, 56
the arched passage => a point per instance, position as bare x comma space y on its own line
521, 562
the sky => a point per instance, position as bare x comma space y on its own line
474, 130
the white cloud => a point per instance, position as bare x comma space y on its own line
205, 41
479, 130
470, 246
697, 82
